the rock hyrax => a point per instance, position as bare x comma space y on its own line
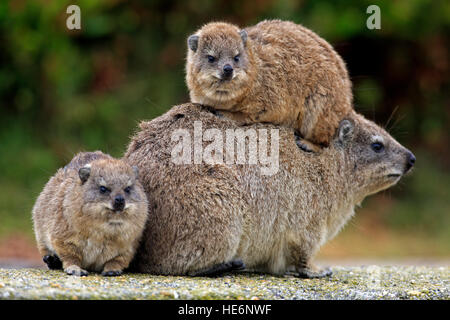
276, 71
209, 217
90, 216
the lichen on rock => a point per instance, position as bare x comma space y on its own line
367, 282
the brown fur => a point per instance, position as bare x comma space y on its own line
286, 75
204, 215
75, 222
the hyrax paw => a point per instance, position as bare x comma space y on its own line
112, 273
218, 269
310, 274
52, 262
74, 270
306, 145
237, 265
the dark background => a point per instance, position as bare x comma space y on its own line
65, 91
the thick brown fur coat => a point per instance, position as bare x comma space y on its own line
286, 74
75, 223
201, 215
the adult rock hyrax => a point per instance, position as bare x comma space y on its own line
276, 71
90, 216
205, 218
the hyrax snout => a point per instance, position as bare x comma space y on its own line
90, 215
220, 215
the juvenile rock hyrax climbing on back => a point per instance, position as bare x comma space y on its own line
90, 216
207, 218
276, 71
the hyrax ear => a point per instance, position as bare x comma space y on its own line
244, 36
345, 131
136, 171
193, 42
84, 173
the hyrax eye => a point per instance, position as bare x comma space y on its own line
104, 189
127, 189
377, 146
211, 59
237, 58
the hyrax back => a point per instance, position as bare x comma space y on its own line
204, 215
90, 215
276, 71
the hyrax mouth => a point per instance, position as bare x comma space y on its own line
115, 223
394, 175
112, 213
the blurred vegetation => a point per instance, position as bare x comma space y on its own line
64, 91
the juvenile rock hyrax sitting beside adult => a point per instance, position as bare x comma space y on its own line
207, 218
276, 71
90, 216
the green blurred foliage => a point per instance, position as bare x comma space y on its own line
64, 91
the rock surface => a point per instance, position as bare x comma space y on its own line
367, 282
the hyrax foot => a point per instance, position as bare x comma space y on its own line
52, 262
307, 273
74, 270
219, 269
112, 273
215, 112
305, 145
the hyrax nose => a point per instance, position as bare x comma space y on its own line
227, 70
411, 160
119, 203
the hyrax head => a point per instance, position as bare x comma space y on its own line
219, 60
110, 189
374, 160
